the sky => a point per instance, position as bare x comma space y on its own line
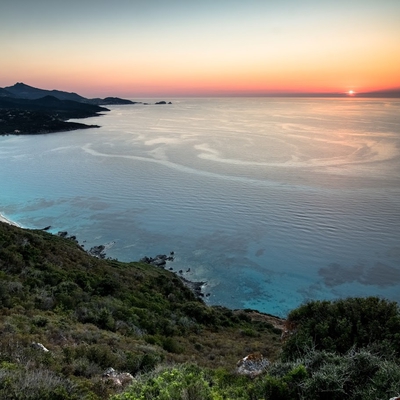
148, 48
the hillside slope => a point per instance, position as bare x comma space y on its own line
92, 314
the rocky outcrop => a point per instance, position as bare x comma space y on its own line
195, 287
159, 260
98, 251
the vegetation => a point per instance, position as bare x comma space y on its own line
339, 326
93, 314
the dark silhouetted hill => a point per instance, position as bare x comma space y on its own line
23, 91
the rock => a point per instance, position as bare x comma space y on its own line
97, 251
195, 287
46, 228
62, 234
252, 365
159, 260
39, 346
118, 378
161, 102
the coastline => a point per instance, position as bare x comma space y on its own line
7, 221
196, 287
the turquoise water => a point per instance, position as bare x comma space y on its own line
270, 201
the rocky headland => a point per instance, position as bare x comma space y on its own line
26, 110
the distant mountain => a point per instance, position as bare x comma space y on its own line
23, 91
391, 93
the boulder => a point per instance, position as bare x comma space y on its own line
117, 378
39, 346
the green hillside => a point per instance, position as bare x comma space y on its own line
92, 314
74, 326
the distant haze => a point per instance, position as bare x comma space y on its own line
149, 48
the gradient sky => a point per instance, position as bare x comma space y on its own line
145, 48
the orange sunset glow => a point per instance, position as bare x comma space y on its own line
202, 48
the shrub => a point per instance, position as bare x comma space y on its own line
36, 385
343, 324
329, 376
184, 382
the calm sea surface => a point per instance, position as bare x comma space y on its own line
270, 201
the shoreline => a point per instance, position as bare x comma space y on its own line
197, 287
7, 221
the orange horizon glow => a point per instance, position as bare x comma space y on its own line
97, 85
148, 49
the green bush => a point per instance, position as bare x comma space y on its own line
329, 376
183, 382
343, 324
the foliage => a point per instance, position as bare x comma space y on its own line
343, 324
318, 375
181, 382
16, 383
93, 314
354, 375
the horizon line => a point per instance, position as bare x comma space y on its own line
382, 93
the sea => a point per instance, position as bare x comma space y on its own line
271, 202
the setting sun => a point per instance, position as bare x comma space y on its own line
351, 93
